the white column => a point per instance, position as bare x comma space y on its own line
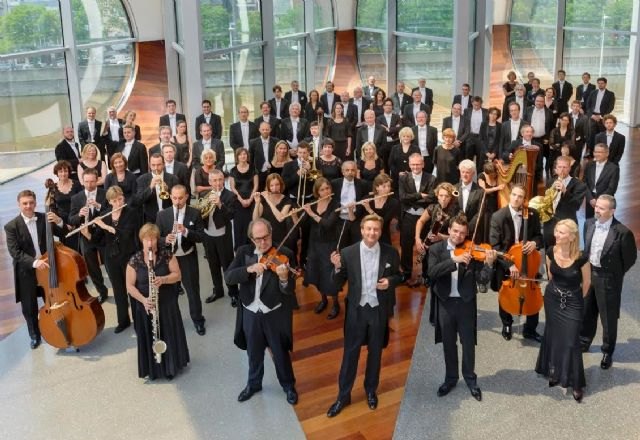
193, 71
269, 49
311, 44
461, 24
392, 55
73, 81
171, 56
483, 49
632, 94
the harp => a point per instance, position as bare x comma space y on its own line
521, 170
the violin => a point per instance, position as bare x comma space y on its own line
478, 251
274, 258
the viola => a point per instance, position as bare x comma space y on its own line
274, 258
478, 251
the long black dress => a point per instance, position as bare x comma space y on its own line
330, 169
367, 175
242, 217
388, 211
128, 186
490, 206
447, 162
323, 240
63, 207
560, 356
339, 132
171, 328
279, 229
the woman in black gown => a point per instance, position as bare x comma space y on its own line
323, 240
182, 144
119, 231
385, 206
447, 157
378, 102
369, 164
243, 181
65, 189
280, 157
314, 111
490, 134
273, 205
399, 156
560, 135
120, 176
488, 181
90, 158
167, 275
329, 164
569, 272
338, 128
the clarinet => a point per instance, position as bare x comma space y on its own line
158, 345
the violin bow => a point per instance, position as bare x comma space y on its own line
475, 229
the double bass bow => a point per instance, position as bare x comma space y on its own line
70, 316
522, 296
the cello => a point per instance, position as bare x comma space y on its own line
70, 316
522, 296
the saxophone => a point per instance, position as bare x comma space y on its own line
158, 345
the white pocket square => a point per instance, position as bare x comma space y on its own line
190, 223
387, 266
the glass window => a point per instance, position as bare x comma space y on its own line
99, 20
229, 23
326, 46
290, 65
372, 14
372, 56
232, 80
434, 18
29, 26
323, 14
533, 49
600, 14
538, 12
177, 6
288, 17
104, 73
35, 102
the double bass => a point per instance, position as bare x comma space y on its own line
522, 296
70, 316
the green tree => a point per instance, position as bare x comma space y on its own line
30, 27
215, 21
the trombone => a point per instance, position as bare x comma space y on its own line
312, 174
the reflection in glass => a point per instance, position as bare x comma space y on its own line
601, 54
35, 102
326, 44
104, 73
178, 11
99, 20
538, 12
288, 17
234, 21
290, 56
372, 56
372, 14
29, 26
600, 14
533, 49
434, 17
232, 80
419, 58
323, 14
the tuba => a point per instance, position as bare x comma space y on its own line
158, 345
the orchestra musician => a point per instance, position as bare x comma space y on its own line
151, 186
350, 190
181, 227
264, 316
507, 229
85, 206
218, 238
371, 270
454, 280
119, 231
26, 242
384, 205
165, 276
274, 206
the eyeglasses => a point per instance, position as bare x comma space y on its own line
260, 239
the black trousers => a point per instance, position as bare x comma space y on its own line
90, 255
603, 299
457, 317
428, 165
264, 330
29, 305
219, 251
594, 129
191, 282
407, 241
529, 326
116, 269
363, 325
473, 148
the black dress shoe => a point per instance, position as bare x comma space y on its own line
476, 393
553, 383
445, 389
35, 342
584, 348
121, 327
200, 329
534, 336
247, 393
606, 361
506, 332
372, 400
212, 298
578, 394
337, 406
335, 310
321, 306
234, 301
292, 396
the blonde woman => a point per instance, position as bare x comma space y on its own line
90, 158
569, 272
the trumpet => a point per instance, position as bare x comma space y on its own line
158, 345
207, 204
161, 188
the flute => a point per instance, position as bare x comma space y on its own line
85, 225
297, 210
370, 199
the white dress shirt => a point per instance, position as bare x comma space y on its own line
599, 96
599, 168
172, 123
538, 122
417, 179
422, 140
265, 151
455, 124
516, 217
114, 128
294, 129
371, 130
454, 275
476, 121
464, 101
211, 229
244, 127
597, 242
179, 252
515, 129
369, 265
257, 305
465, 190
92, 129
347, 195
32, 226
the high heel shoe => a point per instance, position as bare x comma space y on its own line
577, 395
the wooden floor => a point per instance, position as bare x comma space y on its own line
318, 348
